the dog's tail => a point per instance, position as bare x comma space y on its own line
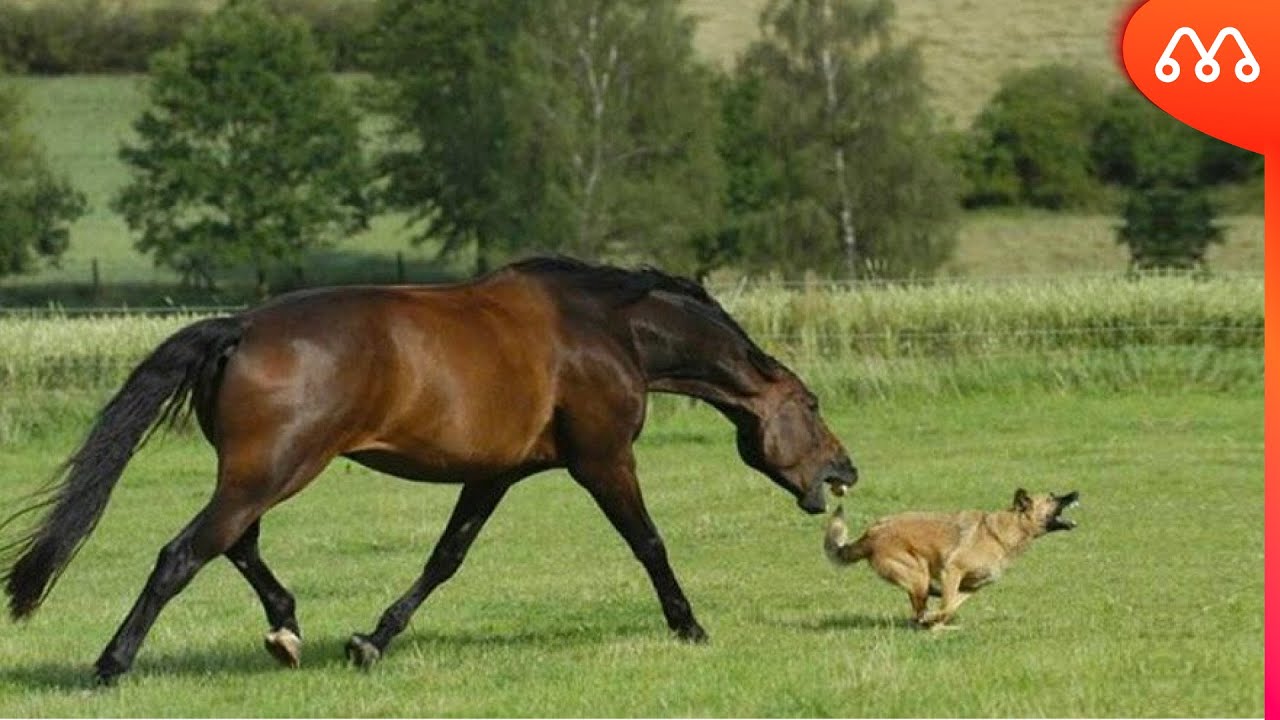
839, 550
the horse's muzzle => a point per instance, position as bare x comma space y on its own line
839, 475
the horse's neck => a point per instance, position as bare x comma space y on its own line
693, 354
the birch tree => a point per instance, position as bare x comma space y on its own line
616, 130
862, 178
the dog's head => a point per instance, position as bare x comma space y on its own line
1044, 512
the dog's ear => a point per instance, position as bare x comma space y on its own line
1021, 500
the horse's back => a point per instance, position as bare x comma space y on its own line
453, 377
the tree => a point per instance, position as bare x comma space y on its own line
1168, 216
36, 204
584, 127
443, 74
1031, 144
846, 170
614, 122
249, 152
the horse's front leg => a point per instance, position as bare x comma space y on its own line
476, 503
614, 486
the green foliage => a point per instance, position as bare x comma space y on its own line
615, 123
584, 127
248, 153
1168, 224
828, 171
1168, 214
443, 72
36, 204
88, 36
1132, 133
1031, 143
96, 36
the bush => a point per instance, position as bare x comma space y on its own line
96, 36
1031, 144
1132, 133
36, 204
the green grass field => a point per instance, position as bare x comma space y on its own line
1153, 607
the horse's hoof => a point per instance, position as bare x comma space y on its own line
692, 633
104, 680
285, 646
362, 652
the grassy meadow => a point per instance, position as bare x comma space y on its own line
1144, 395
1153, 607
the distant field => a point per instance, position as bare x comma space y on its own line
82, 121
968, 44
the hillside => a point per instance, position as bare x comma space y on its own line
968, 44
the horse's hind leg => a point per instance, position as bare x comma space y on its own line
284, 640
246, 489
476, 503
208, 535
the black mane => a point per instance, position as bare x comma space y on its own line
629, 286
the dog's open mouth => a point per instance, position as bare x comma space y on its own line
1066, 502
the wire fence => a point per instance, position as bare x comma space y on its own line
87, 287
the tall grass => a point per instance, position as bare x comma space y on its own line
824, 322
849, 342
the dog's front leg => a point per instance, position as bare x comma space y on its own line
952, 598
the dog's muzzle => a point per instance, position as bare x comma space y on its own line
1066, 502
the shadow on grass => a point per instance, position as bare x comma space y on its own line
576, 635
843, 621
319, 654
79, 674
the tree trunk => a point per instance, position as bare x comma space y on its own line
482, 256
597, 81
848, 235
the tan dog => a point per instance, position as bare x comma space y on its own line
950, 555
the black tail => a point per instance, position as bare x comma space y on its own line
158, 387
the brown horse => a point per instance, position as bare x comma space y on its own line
543, 364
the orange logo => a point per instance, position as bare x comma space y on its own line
1213, 65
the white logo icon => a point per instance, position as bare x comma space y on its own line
1168, 70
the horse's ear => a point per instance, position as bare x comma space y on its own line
1021, 500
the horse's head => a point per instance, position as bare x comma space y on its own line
785, 438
